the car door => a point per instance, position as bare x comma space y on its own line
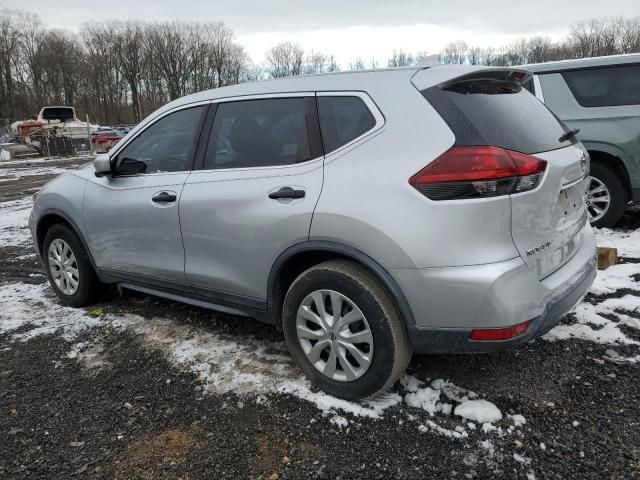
131, 217
254, 195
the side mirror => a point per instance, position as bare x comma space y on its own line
102, 165
130, 166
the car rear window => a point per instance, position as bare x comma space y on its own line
343, 119
605, 87
499, 113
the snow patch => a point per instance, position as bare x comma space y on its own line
627, 242
488, 446
339, 421
428, 400
23, 305
14, 217
481, 411
431, 425
615, 278
225, 363
518, 420
592, 326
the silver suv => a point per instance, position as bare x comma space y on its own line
368, 215
600, 97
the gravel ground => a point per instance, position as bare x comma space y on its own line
107, 393
24, 177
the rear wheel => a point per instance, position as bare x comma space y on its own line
344, 331
68, 267
606, 197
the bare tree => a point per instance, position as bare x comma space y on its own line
316, 62
127, 43
400, 58
332, 64
357, 65
9, 43
119, 71
454, 52
285, 60
170, 45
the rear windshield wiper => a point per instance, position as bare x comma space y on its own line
569, 135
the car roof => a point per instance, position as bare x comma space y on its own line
583, 63
381, 79
336, 81
301, 83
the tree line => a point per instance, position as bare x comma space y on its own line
114, 71
120, 71
593, 38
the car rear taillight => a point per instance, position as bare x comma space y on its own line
478, 172
498, 334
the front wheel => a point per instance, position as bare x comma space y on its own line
68, 267
344, 331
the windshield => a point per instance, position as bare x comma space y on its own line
62, 114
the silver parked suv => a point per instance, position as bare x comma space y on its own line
369, 215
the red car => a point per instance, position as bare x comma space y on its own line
103, 140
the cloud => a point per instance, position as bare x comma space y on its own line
348, 28
250, 16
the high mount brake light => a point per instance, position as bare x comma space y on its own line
478, 172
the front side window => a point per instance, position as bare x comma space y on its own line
342, 119
166, 146
259, 133
604, 87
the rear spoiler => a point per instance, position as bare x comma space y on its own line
442, 75
516, 75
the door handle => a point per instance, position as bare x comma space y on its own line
164, 197
286, 193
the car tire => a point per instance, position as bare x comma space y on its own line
357, 293
86, 283
617, 194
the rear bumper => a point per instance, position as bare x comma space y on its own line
457, 300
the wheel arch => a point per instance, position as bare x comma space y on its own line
615, 163
54, 217
302, 256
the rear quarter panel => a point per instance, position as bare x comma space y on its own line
367, 202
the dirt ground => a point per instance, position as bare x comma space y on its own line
112, 392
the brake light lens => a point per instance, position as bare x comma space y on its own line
497, 334
478, 172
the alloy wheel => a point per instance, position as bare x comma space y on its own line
63, 267
598, 199
334, 335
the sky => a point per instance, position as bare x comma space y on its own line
348, 29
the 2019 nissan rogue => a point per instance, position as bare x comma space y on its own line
369, 215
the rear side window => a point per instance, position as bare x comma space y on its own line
605, 87
342, 119
498, 113
259, 133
